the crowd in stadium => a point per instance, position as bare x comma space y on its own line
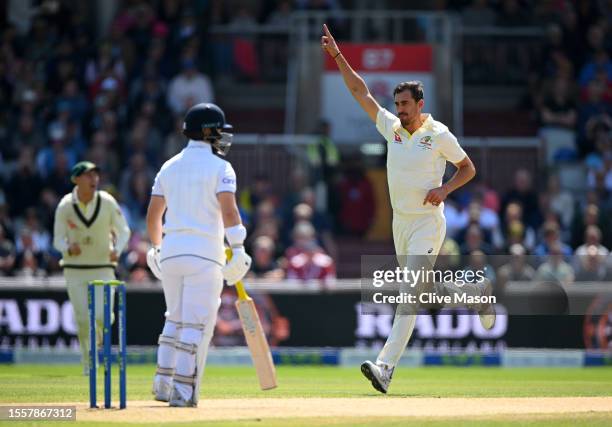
119, 101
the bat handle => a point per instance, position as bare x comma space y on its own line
241, 291
242, 295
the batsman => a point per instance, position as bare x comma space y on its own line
90, 231
418, 148
196, 190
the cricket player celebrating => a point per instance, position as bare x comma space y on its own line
91, 232
196, 189
418, 149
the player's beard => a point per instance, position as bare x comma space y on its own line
407, 120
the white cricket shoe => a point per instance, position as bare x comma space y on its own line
487, 310
162, 390
177, 400
379, 375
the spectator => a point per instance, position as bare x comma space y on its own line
47, 158
105, 156
357, 202
175, 141
600, 63
517, 270
136, 263
188, 88
264, 265
555, 268
258, 191
46, 207
516, 234
321, 221
457, 218
137, 199
59, 178
593, 106
561, 202
137, 165
598, 134
591, 266
323, 158
146, 139
485, 218
107, 60
28, 266
7, 254
550, 232
592, 238
591, 215
559, 108
265, 214
298, 182
31, 241
228, 330
27, 134
6, 222
25, 176
73, 100
477, 262
306, 260
522, 193
474, 241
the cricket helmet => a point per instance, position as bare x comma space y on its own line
209, 116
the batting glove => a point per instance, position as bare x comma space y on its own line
238, 267
154, 261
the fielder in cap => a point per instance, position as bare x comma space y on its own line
196, 190
418, 149
91, 232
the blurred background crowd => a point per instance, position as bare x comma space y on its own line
70, 92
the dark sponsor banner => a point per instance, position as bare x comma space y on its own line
33, 318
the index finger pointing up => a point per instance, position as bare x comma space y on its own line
326, 30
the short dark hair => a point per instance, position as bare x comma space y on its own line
414, 86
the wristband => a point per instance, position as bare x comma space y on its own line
338, 54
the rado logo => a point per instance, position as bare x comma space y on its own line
36, 317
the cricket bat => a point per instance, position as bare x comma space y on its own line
255, 337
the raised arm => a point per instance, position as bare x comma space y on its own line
353, 81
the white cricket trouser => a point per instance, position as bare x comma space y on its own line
418, 234
192, 290
76, 284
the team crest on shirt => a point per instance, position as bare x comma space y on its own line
425, 143
397, 138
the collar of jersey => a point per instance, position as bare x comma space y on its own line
199, 144
75, 197
427, 123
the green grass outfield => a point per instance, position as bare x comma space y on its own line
58, 383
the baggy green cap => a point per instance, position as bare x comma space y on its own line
81, 168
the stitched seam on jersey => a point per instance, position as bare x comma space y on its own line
194, 255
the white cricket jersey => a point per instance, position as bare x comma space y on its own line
416, 163
189, 183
